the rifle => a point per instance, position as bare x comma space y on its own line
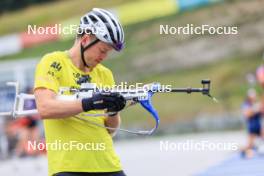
140, 95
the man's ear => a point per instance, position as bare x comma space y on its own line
85, 40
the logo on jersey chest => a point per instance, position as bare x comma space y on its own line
54, 68
79, 78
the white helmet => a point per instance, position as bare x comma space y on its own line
104, 26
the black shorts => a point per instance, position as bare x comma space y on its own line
255, 131
118, 173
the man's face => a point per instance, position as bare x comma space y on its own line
97, 53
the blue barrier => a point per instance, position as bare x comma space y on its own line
190, 4
236, 165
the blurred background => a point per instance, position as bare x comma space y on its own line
181, 60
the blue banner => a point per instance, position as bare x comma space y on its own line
189, 4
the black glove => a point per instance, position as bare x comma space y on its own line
113, 102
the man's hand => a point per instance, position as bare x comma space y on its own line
114, 122
113, 102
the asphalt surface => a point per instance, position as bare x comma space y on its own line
183, 155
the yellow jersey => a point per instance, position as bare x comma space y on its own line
74, 145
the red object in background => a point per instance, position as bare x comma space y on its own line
260, 74
38, 35
23, 122
19, 123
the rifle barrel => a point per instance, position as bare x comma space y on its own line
185, 90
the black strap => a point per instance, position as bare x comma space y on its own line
118, 173
85, 48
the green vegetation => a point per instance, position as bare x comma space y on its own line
49, 13
11, 5
229, 86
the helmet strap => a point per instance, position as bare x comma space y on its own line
83, 49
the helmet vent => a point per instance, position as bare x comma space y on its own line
93, 18
85, 20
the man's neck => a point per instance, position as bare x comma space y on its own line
77, 61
